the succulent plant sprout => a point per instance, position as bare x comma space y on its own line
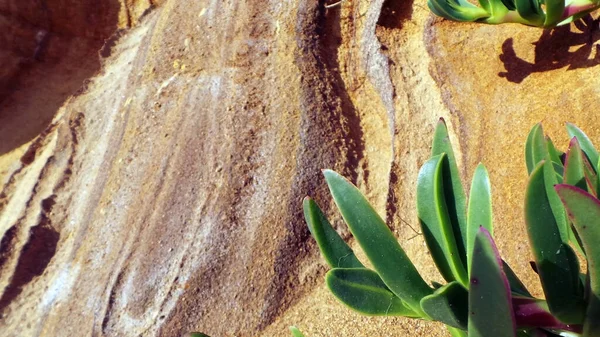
539, 13
482, 296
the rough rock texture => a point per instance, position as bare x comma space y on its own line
153, 155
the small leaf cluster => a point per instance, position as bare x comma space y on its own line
482, 296
538, 13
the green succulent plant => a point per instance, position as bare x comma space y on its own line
482, 296
539, 13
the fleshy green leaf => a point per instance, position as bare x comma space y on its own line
454, 332
440, 8
554, 12
485, 4
575, 174
535, 147
433, 6
480, 207
295, 332
584, 212
556, 262
598, 179
539, 13
499, 10
590, 175
582, 173
378, 242
454, 192
556, 206
333, 248
362, 290
585, 143
448, 304
531, 11
457, 10
508, 4
574, 166
490, 308
198, 334
435, 222
555, 155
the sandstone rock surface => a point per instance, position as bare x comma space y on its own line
154, 154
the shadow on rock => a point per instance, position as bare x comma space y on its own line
33, 260
553, 51
394, 13
47, 60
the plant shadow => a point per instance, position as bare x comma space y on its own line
46, 61
395, 13
553, 51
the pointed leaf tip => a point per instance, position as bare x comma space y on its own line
479, 209
295, 332
584, 142
574, 168
378, 242
490, 309
333, 248
449, 304
452, 201
439, 231
573, 141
